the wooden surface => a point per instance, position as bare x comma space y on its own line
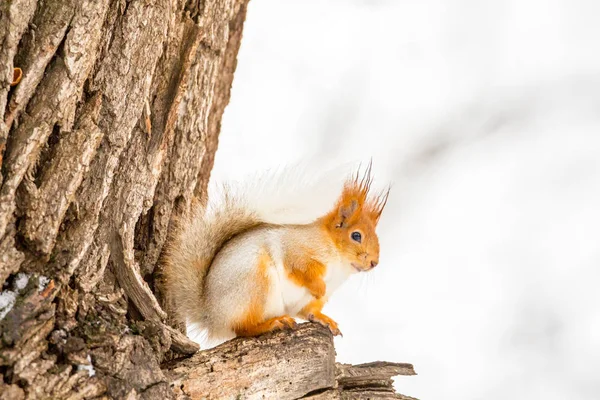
283, 365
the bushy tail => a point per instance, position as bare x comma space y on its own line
290, 196
193, 244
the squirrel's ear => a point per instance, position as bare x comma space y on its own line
345, 212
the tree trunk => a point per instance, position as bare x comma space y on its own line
110, 132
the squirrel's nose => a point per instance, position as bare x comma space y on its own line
373, 264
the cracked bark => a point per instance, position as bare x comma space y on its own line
111, 132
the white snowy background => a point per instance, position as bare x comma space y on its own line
485, 115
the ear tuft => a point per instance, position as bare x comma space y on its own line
355, 200
377, 204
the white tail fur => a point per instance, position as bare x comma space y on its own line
296, 194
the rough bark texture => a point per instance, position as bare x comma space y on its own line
283, 365
110, 132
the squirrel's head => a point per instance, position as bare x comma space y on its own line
352, 222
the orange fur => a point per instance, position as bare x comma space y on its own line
272, 324
253, 323
307, 272
356, 211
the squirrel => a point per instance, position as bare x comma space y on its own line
235, 270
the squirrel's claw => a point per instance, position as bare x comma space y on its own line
326, 322
335, 331
291, 323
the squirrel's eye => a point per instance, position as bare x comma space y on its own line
356, 236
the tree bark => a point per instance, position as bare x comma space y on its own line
110, 132
283, 365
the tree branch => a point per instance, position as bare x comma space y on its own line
283, 365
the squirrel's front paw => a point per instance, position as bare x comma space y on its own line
326, 322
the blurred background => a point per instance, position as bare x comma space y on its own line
485, 115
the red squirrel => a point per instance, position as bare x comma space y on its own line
235, 271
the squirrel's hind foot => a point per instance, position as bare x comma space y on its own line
285, 322
270, 325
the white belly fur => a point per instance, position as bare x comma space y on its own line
335, 275
286, 297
